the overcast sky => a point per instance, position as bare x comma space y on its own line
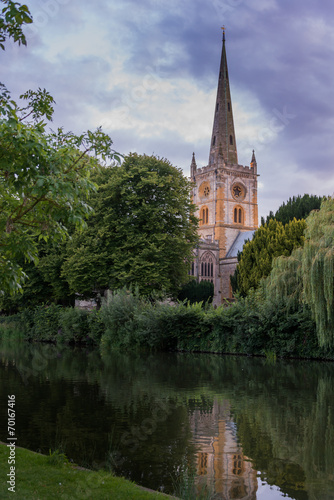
147, 71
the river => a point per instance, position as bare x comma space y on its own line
239, 427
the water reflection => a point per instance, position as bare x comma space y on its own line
221, 463
240, 424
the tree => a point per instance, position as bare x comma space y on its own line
44, 177
12, 17
142, 233
306, 277
195, 291
269, 241
318, 270
297, 207
44, 180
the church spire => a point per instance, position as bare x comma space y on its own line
193, 166
223, 128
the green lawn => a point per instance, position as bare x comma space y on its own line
39, 479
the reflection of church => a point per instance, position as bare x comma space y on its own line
226, 196
221, 464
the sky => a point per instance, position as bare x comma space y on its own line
147, 71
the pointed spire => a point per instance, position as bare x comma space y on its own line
223, 126
253, 160
221, 161
193, 166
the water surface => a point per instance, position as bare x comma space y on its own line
245, 427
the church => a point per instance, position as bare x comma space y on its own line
225, 194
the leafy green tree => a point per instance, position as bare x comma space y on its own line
142, 233
12, 17
297, 207
305, 279
44, 180
269, 241
195, 291
318, 270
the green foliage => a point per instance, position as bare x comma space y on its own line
286, 281
297, 207
46, 321
197, 292
269, 241
182, 325
142, 233
12, 17
257, 324
44, 181
96, 326
119, 313
318, 270
54, 323
78, 325
44, 284
57, 458
74, 325
307, 276
132, 321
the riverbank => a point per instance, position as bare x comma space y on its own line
42, 477
126, 322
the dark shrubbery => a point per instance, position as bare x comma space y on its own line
251, 326
197, 292
55, 324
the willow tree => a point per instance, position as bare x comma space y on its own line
285, 281
269, 241
318, 270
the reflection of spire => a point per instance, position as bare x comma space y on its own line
223, 126
221, 463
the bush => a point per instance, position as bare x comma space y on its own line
96, 326
78, 325
74, 326
46, 323
197, 292
131, 321
120, 313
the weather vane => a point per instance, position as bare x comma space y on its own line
223, 28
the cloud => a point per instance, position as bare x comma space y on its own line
148, 71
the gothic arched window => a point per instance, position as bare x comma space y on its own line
207, 266
238, 215
204, 216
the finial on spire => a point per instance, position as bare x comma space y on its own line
193, 166
223, 28
253, 160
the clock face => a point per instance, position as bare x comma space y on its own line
206, 191
238, 192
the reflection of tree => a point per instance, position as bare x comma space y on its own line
283, 412
86, 407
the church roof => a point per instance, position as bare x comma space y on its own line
239, 242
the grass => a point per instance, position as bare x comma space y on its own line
40, 477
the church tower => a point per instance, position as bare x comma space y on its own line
225, 193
